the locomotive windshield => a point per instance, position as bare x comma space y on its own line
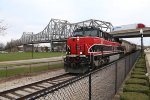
86, 33
93, 32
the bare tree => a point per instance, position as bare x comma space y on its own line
2, 28
2, 46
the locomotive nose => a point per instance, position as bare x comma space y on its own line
77, 45
80, 45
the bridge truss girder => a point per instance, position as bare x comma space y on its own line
57, 30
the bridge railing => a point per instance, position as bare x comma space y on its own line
101, 84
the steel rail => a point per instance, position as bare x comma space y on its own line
30, 86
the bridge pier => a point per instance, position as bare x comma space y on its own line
51, 46
57, 46
27, 48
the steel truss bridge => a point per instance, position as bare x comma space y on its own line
57, 31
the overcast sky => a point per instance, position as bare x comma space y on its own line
33, 15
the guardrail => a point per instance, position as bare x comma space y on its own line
101, 84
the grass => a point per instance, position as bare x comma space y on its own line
27, 70
137, 81
136, 88
138, 72
28, 55
20, 64
133, 96
139, 76
140, 66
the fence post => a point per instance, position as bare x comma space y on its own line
116, 77
125, 68
6, 78
129, 63
30, 68
90, 83
6, 71
89, 86
48, 65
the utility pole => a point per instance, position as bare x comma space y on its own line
32, 45
141, 33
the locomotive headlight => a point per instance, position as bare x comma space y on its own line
67, 53
77, 38
80, 53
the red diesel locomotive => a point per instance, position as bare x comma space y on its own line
90, 47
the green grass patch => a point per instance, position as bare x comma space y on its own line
136, 88
13, 72
54, 66
139, 76
138, 73
28, 55
27, 70
137, 81
139, 69
140, 66
133, 96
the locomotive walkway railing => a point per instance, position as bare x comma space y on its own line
101, 84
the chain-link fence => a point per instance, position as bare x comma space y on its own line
101, 84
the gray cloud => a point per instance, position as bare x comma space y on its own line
34, 15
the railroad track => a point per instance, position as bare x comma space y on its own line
23, 92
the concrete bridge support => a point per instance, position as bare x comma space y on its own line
27, 48
52, 46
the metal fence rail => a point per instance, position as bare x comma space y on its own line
101, 84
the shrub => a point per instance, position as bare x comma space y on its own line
137, 81
136, 88
133, 96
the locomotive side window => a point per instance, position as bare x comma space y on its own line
120, 48
96, 48
110, 37
107, 48
100, 34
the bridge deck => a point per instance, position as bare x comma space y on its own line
131, 33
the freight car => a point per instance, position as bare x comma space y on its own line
128, 46
90, 47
